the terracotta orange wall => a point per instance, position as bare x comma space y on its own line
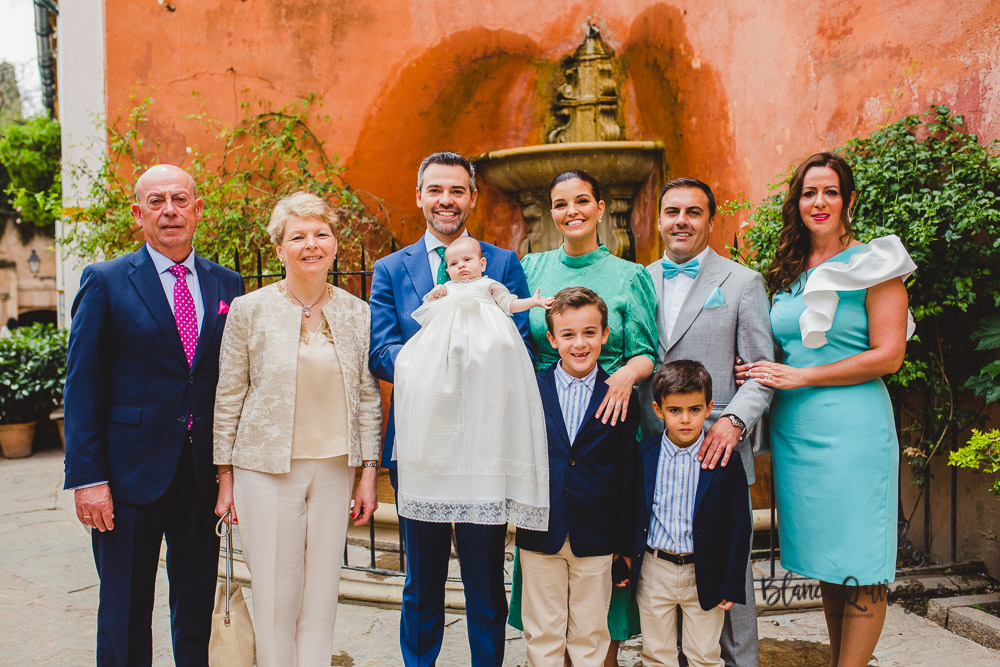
736, 91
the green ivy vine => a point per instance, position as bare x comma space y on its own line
269, 153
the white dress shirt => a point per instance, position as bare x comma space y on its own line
675, 290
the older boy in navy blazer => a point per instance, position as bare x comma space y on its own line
692, 529
567, 569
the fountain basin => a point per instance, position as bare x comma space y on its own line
621, 167
533, 167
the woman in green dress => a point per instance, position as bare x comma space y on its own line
840, 318
627, 357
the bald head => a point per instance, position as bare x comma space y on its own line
162, 171
168, 210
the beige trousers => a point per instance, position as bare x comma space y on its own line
663, 587
564, 607
294, 527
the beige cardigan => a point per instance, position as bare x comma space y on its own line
255, 399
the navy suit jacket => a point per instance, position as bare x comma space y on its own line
721, 527
591, 480
399, 283
129, 389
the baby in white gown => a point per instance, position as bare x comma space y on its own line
470, 431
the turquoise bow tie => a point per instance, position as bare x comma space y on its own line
671, 269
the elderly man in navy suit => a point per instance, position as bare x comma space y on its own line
140, 394
446, 192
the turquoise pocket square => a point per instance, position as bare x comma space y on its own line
715, 299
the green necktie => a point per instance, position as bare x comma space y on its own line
442, 267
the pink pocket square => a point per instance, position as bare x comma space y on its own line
223, 308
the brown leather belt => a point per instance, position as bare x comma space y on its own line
677, 559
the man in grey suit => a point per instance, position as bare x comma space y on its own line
712, 310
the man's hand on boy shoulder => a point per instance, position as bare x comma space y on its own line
719, 442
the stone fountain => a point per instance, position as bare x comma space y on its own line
587, 134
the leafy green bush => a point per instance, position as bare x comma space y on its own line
982, 453
930, 182
30, 152
32, 372
266, 155
983, 450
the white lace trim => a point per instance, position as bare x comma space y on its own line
492, 513
883, 259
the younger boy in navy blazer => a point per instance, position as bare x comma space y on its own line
693, 527
566, 570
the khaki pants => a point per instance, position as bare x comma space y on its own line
293, 528
662, 588
564, 607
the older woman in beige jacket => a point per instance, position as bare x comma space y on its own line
296, 412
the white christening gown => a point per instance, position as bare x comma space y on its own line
470, 430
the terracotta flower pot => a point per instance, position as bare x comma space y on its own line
57, 417
16, 439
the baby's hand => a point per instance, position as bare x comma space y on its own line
542, 301
436, 293
725, 605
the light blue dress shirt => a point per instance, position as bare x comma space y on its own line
574, 397
677, 473
167, 279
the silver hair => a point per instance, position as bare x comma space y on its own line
300, 205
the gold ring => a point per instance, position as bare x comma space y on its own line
86, 516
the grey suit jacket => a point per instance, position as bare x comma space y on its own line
715, 336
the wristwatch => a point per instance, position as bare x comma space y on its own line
736, 421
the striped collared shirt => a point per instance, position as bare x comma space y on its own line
670, 527
574, 397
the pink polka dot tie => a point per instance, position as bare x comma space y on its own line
184, 313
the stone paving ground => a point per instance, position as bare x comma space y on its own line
48, 601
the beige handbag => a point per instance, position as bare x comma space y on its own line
232, 640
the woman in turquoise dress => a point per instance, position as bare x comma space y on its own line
840, 317
627, 357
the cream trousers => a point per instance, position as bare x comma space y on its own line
564, 607
294, 527
663, 587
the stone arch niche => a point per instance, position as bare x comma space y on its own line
585, 132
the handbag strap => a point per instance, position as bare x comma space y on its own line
224, 529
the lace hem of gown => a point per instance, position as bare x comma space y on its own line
884, 258
492, 513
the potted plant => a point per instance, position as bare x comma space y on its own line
32, 373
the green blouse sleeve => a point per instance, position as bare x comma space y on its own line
640, 317
528, 266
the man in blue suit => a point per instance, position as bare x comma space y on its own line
140, 394
446, 192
